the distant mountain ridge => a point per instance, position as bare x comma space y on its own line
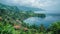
17, 8
30, 8
10, 8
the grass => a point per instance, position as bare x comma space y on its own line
6, 27
9, 29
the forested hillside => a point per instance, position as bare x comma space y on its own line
11, 22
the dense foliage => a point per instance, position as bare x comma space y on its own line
11, 22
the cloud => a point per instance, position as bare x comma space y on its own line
50, 5
32, 3
35, 3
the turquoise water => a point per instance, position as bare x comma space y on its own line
49, 19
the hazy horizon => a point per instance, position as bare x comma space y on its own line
51, 6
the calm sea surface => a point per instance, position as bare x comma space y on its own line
49, 19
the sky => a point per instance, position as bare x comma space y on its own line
51, 6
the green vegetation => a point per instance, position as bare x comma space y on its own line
11, 22
8, 28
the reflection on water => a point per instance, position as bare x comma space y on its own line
46, 21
